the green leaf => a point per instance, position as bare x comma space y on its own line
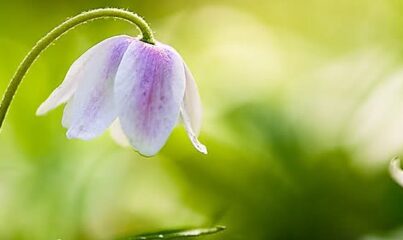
176, 233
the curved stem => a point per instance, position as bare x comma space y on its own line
42, 44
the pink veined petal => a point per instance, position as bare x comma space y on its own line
149, 90
395, 171
92, 108
192, 103
189, 130
118, 135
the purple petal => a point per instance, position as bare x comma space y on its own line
149, 90
92, 109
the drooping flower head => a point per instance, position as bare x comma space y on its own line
139, 89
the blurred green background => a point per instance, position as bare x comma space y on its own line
303, 109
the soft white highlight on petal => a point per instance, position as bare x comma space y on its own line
395, 171
192, 103
192, 136
92, 108
149, 89
118, 135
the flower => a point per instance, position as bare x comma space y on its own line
139, 88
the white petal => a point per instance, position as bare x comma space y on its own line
67, 115
192, 103
395, 171
64, 92
118, 135
149, 90
92, 108
192, 136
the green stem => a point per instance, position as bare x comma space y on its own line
42, 44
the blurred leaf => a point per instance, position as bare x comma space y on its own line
177, 233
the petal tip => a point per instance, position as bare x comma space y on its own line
69, 135
395, 170
198, 145
192, 136
79, 133
147, 153
41, 110
202, 148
